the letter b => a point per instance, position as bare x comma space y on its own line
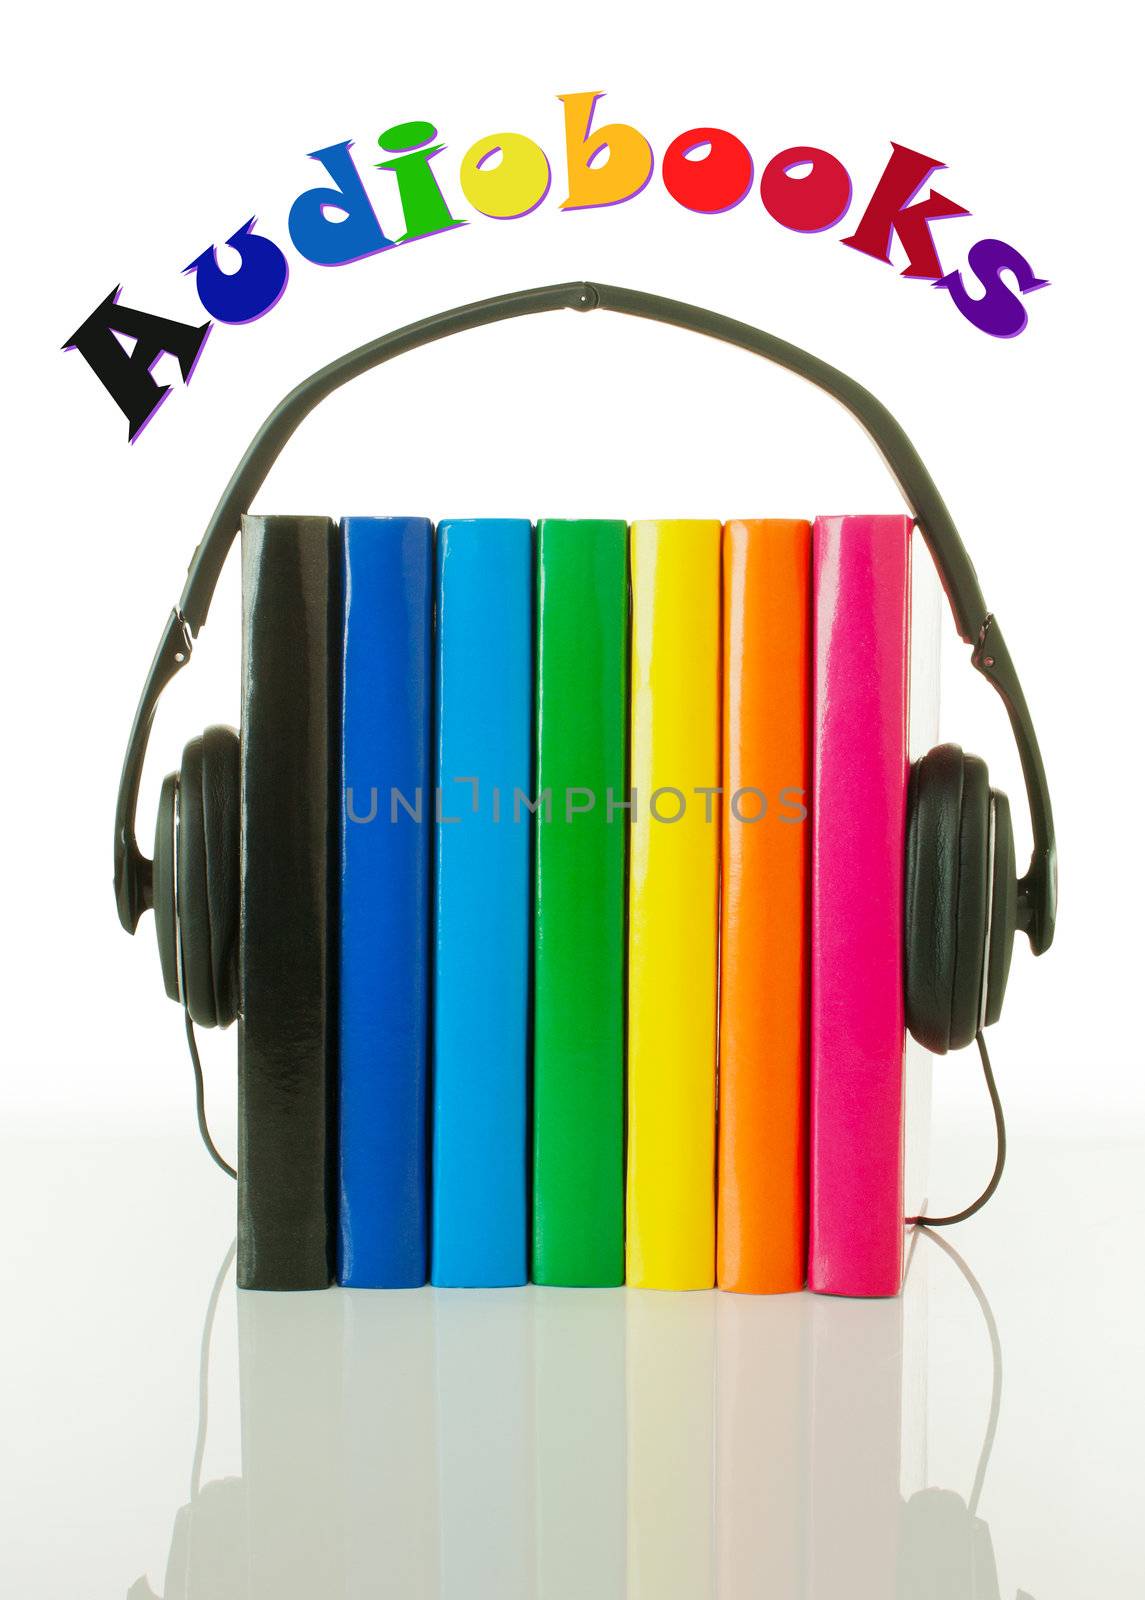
623, 174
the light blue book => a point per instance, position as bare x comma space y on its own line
482, 910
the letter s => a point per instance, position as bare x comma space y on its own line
794, 800
999, 311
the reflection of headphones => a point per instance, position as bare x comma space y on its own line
209, 1537
945, 1548
964, 900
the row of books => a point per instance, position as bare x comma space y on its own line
571, 938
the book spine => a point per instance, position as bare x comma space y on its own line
291, 568
482, 895
861, 622
578, 976
761, 1240
673, 904
386, 833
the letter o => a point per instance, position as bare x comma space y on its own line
738, 814
679, 793
515, 186
809, 204
717, 182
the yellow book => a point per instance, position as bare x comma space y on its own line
674, 846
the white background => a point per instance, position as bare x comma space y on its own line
135, 141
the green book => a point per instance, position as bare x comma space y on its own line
579, 935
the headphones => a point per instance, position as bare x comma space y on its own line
964, 899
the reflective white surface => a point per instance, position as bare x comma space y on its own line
552, 1443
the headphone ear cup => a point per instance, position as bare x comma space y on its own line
947, 897
1003, 908
163, 881
207, 876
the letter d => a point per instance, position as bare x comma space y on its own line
329, 241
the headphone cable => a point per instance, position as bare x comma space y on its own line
200, 1098
1000, 1161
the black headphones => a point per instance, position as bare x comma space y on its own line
964, 899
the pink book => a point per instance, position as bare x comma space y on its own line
860, 769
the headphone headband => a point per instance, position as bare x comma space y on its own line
1037, 891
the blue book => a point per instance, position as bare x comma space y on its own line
482, 902
386, 835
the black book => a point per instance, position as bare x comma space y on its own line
287, 953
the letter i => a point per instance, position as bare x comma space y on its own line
423, 204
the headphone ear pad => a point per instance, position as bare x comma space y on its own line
221, 786
934, 802
163, 891
207, 876
1003, 908
974, 888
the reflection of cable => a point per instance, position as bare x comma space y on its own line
204, 1367
996, 1352
200, 1098
1000, 1162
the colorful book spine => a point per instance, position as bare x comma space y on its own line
761, 1243
578, 949
860, 772
288, 1038
386, 835
482, 912
673, 904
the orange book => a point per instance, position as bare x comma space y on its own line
761, 1235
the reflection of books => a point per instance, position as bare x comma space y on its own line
485, 1448
293, 1434
440, 1443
